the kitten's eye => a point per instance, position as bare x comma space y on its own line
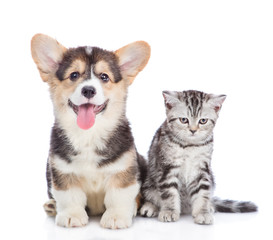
74, 76
104, 77
203, 121
184, 120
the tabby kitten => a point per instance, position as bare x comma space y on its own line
179, 177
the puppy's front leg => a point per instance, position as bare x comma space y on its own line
70, 206
120, 200
70, 198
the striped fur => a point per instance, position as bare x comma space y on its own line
179, 176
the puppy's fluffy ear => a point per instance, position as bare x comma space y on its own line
47, 54
133, 58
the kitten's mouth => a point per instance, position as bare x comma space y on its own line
86, 113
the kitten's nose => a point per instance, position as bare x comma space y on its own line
193, 131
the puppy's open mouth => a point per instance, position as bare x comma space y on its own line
86, 113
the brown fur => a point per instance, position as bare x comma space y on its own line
63, 181
138, 200
78, 65
125, 178
103, 67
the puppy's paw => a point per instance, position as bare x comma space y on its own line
204, 218
50, 208
72, 218
168, 216
148, 210
114, 219
135, 210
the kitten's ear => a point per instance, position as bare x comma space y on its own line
46, 53
216, 101
133, 58
170, 98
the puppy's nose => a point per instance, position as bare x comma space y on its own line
88, 91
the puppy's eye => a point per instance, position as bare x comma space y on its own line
184, 120
74, 76
203, 121
104, 77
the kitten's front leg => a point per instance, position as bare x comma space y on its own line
169, 202
202, 209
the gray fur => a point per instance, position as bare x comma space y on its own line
179, 176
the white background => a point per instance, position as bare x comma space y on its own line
221, 47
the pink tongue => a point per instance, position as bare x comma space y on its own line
86, 116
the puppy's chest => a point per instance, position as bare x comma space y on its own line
92, 178
87, 154
85, 166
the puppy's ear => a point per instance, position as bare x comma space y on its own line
133, 58
47, 54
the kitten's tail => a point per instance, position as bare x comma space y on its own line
231, 206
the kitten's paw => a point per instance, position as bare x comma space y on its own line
204, 218
114, 219
168, 216
50, 208
72, 218
148, 210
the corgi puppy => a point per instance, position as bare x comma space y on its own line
93, 167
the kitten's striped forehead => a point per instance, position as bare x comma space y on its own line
193, 100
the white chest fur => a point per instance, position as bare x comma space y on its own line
190, 160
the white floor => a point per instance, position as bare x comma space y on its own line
227, 226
